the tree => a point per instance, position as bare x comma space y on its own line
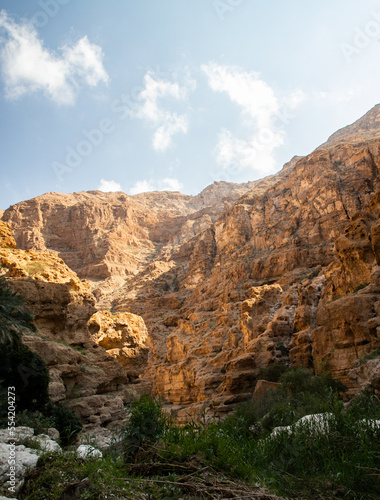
13, 315
19, 366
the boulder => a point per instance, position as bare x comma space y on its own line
15, 462
86, 451
47, 444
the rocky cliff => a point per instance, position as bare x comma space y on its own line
110, 236
82, 374
284, 270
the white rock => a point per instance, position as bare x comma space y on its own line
278, 430
21, 459
318, 422
6, 498
100, 438
87, 451
373, 424
18, 434
47, 444
321, 422
53, 434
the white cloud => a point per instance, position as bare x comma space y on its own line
257, 100
28, 67
254, 153
167, 123
170, 184
144, 186
141, 187
109, 186
264, 115
174, 124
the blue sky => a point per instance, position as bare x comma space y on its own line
174, 94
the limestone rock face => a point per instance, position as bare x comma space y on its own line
82, 374
124, 336
283, 270
6, 236
274, 280
111, 235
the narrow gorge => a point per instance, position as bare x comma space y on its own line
190, 297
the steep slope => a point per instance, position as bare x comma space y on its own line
364, 130
112, 235
256, 287
287, 273
82, 374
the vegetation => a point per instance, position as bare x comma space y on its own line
146, 424
25, 370
27, 373
13, 315
35, 267
158, 459
372, 355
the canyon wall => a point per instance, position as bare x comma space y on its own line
283, 270
82, 373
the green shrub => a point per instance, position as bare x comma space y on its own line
297, 380
65, 421
272, 373
146, 425
338, 463
27, 373
301, 464
56, 471
36, 420
300, 393
13, 316
25, 370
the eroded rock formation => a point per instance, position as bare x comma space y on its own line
82, 374
286, 273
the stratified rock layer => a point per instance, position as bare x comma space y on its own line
82, 374
288, 273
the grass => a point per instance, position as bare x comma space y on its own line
36, 420
301, 465
158, 459
78, 348
372, 355
107, 478
35, 267
55, 472
360, 287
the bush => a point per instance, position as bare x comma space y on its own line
13, 316
301, 464
146, 425
298, 380
65, 421
272, 373
25, 370
19, 366
36, 420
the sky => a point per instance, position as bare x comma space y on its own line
135, 96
